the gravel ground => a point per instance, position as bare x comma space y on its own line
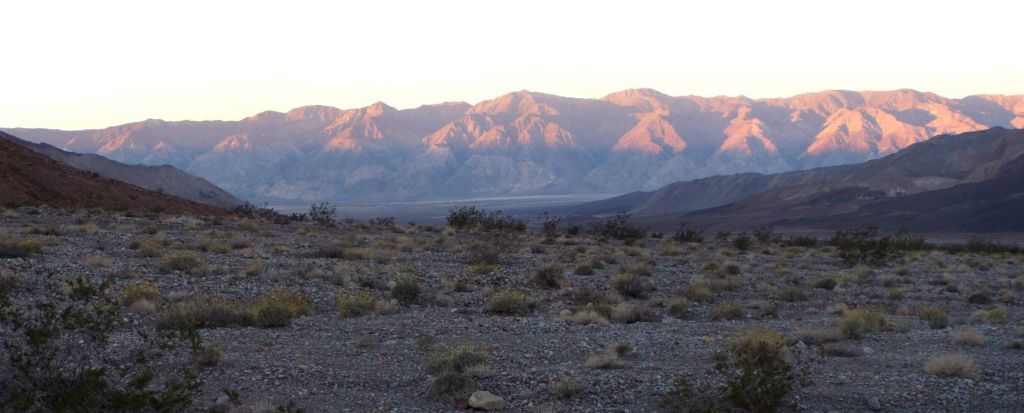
377, 362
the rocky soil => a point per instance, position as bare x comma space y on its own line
378, 361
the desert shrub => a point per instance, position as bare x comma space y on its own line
636, 268
680, 309
700, 293
19, 248
800, 241
406, 290
8, 280
952, 365
742, 242
272, 315
451, 370
481, 268
549, 225
979, 298
935, 317
865, 246
322, 213
148, 248
564, 387
274, 309
730, 310
135, 292
628, 313
764, 234
972, 338
860, 322
629, 285
549, 276
583, 269
468, 217
895, 293
207, 356
688, 235
354, 305
759, 373
620, 228
511, 302
185, 261
791, 294
57, 358
825, 283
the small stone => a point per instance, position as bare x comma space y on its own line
874, 404
867, 350
485, 400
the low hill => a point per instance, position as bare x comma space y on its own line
28, 177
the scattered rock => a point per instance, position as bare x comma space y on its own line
484, 400
874, 404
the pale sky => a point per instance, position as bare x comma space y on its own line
91, 64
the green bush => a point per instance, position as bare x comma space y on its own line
860, 322
406, 290
759, 374
865, 246
935, 317
57, 358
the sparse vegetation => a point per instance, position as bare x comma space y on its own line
19, 248
952, 365
860, 322
184, 261
935, 317
511, 303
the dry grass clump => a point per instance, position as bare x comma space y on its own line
973, 338
840, 350
98, 261
274, 309
730, 310
791, 294
952, 365
8, 280
629, 285
549, 276
610, 359
860, 322
19, 248
628, 313
511, 302
207, 356
147, 248
816, 336
354, 304
184, 261
700, 293
452, 371
583, 316
992, 315
139, 291
482, 268
564, 387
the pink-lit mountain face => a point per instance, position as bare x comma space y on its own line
533, 143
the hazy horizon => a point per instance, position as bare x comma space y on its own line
92, 65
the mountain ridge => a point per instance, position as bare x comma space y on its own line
525, 143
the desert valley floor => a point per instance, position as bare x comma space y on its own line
560, 323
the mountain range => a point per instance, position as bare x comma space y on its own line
971, 182
28, 177
526, 143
